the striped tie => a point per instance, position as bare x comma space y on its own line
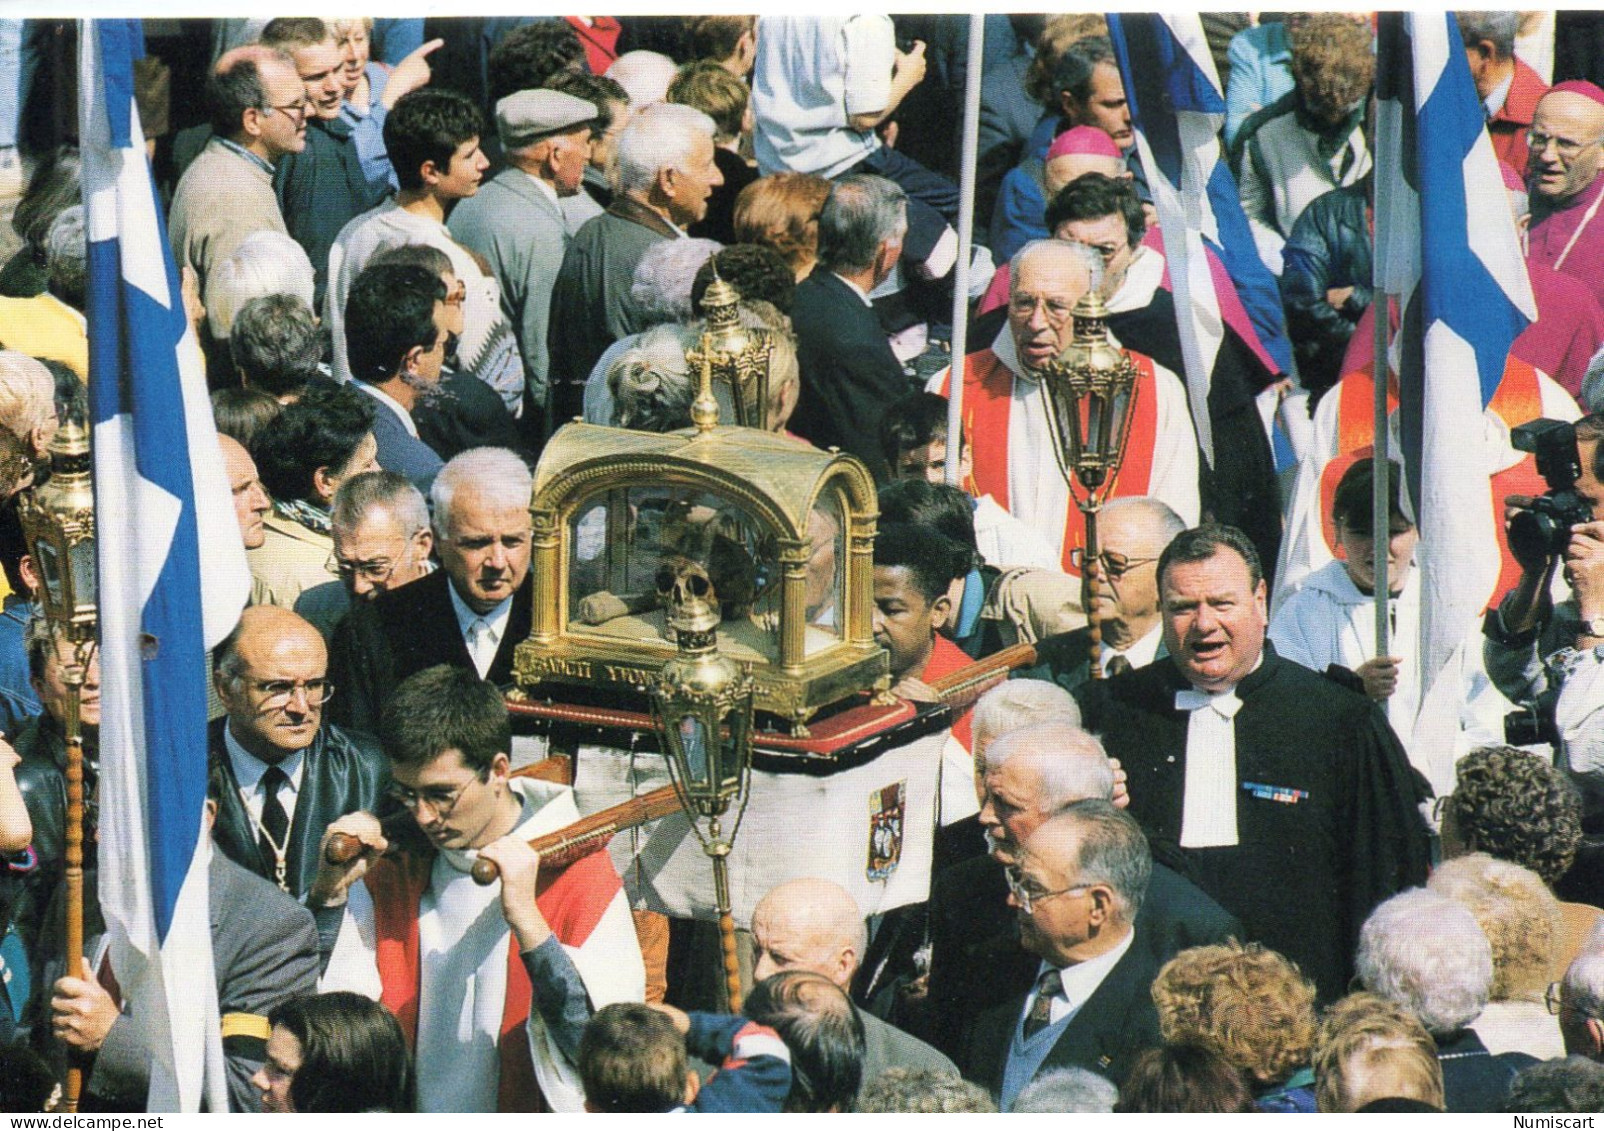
1041, 1011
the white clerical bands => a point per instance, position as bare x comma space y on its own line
1208, 813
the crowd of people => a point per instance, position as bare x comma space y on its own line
1221, 853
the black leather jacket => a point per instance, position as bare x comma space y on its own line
1329, 248
345, 771
42, 780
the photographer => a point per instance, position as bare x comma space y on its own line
1545, 657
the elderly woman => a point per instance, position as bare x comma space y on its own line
264, 263
1516, 806
1250, 1006
651, 384
661, 292
315, 445
53, 188
1425, 952
1521, 921
1371, 1049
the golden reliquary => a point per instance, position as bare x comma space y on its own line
779, 533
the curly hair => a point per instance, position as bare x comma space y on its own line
1516, 806
1332, 60
1249, 1004
1515, 910
1369, 1048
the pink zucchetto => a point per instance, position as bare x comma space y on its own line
1578, 86
1091, 141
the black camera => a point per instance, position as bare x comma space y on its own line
1543, 529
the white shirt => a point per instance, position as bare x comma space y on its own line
545, 187
1140, 654
494, 623
1081, 980
863, 296
1037, 493
248, 771
1005, 542
812, 73
390, 403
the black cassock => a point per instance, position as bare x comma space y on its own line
1327, 804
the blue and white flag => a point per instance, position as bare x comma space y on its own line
1457, 271
1176, 111
165, 521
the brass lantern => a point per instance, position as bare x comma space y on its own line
58, 521
703, 705
737, 356
1090, 391
1090, 395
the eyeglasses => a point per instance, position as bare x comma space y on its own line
279, 692
375, 570
441, 800
1564, 146
1028, 897
1110, 564
293, 109
1554, 999
1024, 306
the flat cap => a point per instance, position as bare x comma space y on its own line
528, 115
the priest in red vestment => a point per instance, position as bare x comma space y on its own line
1007, 421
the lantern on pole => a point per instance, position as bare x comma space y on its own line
1090, 395
702, 702
58, 521
736, 356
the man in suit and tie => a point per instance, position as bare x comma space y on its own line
849, 374
1031, 774
288, 774
472, 612
1132, 533
396, 343
1076, 890
515, 223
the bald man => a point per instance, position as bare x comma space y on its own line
289, 773
1562, 176
811, 924
1033, 773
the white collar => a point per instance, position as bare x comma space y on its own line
248, 768
1141, 653
546, 808
1008, 353
857, 290
549, 190
1494, 102
1081, 980
390, 403
1142, 279
495, 619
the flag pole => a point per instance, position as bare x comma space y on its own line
1380, 369
969, 143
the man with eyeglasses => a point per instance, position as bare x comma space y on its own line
289, 772
1007, 421
492, 984
1562, 173
382, 541
1076, 889
323, 187
258, 109
471, 614
1029, 774
1132, 533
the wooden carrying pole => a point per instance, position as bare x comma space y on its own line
73, 876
